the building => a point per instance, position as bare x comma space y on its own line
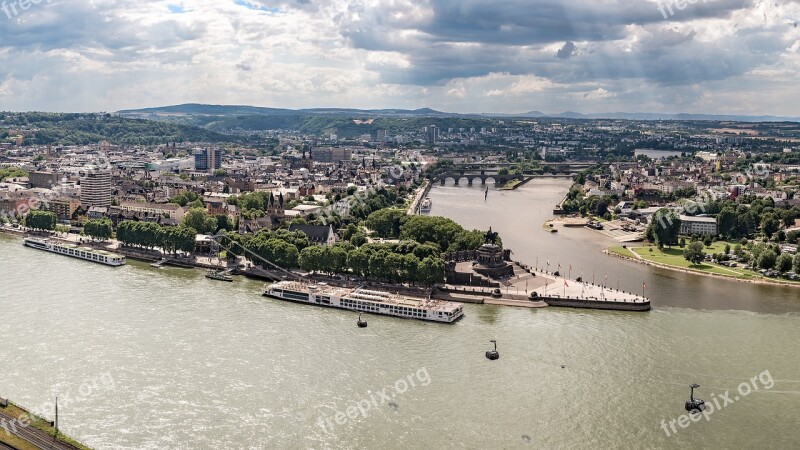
705, 226
63, 207
44, 180
168, 210
96, 189
431, 134
317, 234
207, 159
331, 154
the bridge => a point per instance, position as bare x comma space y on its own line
484, 176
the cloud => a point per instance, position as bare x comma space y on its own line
461, 55
567, 50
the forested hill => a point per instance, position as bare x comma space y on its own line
81, 129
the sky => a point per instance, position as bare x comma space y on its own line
589, 56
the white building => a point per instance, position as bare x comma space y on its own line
706, 226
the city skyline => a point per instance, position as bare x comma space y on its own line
723, 57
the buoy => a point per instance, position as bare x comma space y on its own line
493, 354
695, 405
361, 323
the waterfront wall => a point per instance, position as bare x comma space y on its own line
596, 304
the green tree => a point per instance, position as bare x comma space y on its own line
694, 253
796, 263
726, 222
767, 259
41, 220
664, 228
431, 271
358, 239
387, 222
311, 258
200, 220
769, 225
98, 229
784, 263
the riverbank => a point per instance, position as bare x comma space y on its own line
21, 429
629, 255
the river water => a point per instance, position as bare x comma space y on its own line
164, 358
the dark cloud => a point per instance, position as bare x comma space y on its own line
567, 50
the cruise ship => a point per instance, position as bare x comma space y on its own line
366, 301
86, 254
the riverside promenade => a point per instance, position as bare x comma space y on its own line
532, 288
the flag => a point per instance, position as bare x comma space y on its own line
644, 285
565, 283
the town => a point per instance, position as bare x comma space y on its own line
720, 180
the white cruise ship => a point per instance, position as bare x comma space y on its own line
87, 254
366, 301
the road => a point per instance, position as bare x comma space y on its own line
33, 435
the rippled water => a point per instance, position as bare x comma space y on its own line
202, 364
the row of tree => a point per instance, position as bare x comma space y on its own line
152, 235
377, 261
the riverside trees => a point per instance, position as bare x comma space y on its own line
98, 229
41, 220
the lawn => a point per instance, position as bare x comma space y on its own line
674, 257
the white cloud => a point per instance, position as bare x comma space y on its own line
457, 55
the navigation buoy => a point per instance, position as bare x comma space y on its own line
361, 323
695, 405
493, 354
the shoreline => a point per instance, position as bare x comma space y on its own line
699, 272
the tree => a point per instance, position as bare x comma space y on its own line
694, 253
769, 225
796, 263
784, 263
767, 259
726, 222
41, 220
727, 249
98, 229
664, 228
424, 229
708, 241
311, 258
387, 222
200, 220
358, 260
358, 239
431, 271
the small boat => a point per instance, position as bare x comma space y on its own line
554, 230
426, 205
218, 275
361, 323
493, 354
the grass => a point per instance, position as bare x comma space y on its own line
40, 424
673, 257
511, 185
15, 442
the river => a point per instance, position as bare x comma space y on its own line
186, 362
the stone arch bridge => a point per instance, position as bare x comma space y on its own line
472, 176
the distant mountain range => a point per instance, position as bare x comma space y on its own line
229, 110
196, 109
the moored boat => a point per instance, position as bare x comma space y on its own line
74, 251
366, 301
